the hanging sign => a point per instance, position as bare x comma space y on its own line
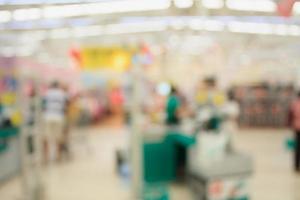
97, 58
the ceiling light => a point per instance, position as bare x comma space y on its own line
24, 2
280, 29
60, 33
29, 37
87, 31
183, 3
8, 51
196, 24
107, 7
252, 5
296, 8
213, 4
294, 30
63, 11
177, 24
27, 14
127, 6
249, 27
151, 26
5, 16
213, 25
24, 51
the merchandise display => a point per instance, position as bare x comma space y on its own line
264, 106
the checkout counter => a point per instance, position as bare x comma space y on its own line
171, 154
165, 154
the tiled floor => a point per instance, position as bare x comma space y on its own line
91, 175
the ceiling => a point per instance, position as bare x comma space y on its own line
31, 26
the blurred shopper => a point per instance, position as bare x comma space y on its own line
55, 105
116, 100
295, 124
173, 107
71, 114
209, 94
231, 110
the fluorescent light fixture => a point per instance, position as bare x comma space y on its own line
183, 3
206, 24
213, 25
127, 6
60, 33
27, 14
294, 30
213, 4
24, 2
151, 26
281, 29
87, 31
249, 27
7, 51
296, 8
196, 24
24, 51
5, 16
30, 36
63, 11
107, 7
177, 24
252, 5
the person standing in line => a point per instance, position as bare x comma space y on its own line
55, 105
294, 121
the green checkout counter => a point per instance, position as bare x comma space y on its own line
167, 158
163, 158
9, 153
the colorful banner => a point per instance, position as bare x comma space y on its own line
96, 58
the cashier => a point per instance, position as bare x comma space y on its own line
172, 107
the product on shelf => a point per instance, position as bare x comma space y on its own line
264, 105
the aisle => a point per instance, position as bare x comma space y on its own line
91, 175
274, 178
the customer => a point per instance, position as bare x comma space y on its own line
295, 124
55, 104
231, 110
172, 107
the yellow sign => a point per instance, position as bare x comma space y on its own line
95, 58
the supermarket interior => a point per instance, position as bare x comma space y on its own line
149, 99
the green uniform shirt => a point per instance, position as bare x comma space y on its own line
171, 109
